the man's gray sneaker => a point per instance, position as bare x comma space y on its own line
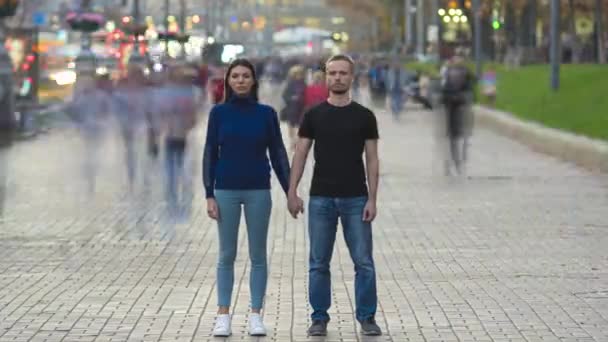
370, 328
318, 328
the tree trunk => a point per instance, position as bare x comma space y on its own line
527, 23
574, 44
487, 32
599, 33
510, 25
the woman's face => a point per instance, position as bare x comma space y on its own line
241, 80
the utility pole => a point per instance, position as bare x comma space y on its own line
555, 44
166, 21
396, 33
437, 23
136, 57
420, 25
86, 62
477, 46
599, 29
409, 24
182, 25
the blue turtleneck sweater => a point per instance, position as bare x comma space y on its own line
241, 133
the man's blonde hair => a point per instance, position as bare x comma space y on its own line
341, 57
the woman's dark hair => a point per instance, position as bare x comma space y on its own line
228, 92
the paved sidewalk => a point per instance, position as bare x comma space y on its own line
514, 252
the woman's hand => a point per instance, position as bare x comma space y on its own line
212, 209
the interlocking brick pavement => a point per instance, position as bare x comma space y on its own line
516, 251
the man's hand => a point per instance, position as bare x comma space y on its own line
212, 209
369, 212
295, 205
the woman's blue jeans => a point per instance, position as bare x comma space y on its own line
257, 205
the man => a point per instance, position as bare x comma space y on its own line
457, 92
397, 80
341, 130
179, 119
129, 103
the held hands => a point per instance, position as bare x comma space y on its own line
295, 205
212, 209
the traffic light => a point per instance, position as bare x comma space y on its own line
340, 37
28, 76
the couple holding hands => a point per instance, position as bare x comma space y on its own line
244, 140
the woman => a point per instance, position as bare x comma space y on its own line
294, 100
236, 171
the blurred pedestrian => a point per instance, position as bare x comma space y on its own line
317, 92
241, 133
200, 82
457, 95
397, 80
129, 103
178, 120
216, 84
6, 139
293, 96
378, 86
91, 108
342, 131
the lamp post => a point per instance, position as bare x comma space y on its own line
409, 23
136, 57
477, 18
167, 12
437, 24
85, 22
420, 27
182, 25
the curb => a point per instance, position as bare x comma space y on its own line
588, 153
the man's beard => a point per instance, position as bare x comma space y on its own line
339, 91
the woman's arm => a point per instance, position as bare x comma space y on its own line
210, 155
278, 153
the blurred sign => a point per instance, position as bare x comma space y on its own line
39, 18
584, 26
432, 33
488, 83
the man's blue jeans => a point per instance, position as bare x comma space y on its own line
323, 215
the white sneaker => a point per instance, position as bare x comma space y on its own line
222, 326
256, 325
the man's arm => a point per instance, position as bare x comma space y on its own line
373, 171
372, 163
299, 162
294, 202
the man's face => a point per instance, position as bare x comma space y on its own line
339, 77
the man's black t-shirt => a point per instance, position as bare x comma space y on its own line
339, 135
